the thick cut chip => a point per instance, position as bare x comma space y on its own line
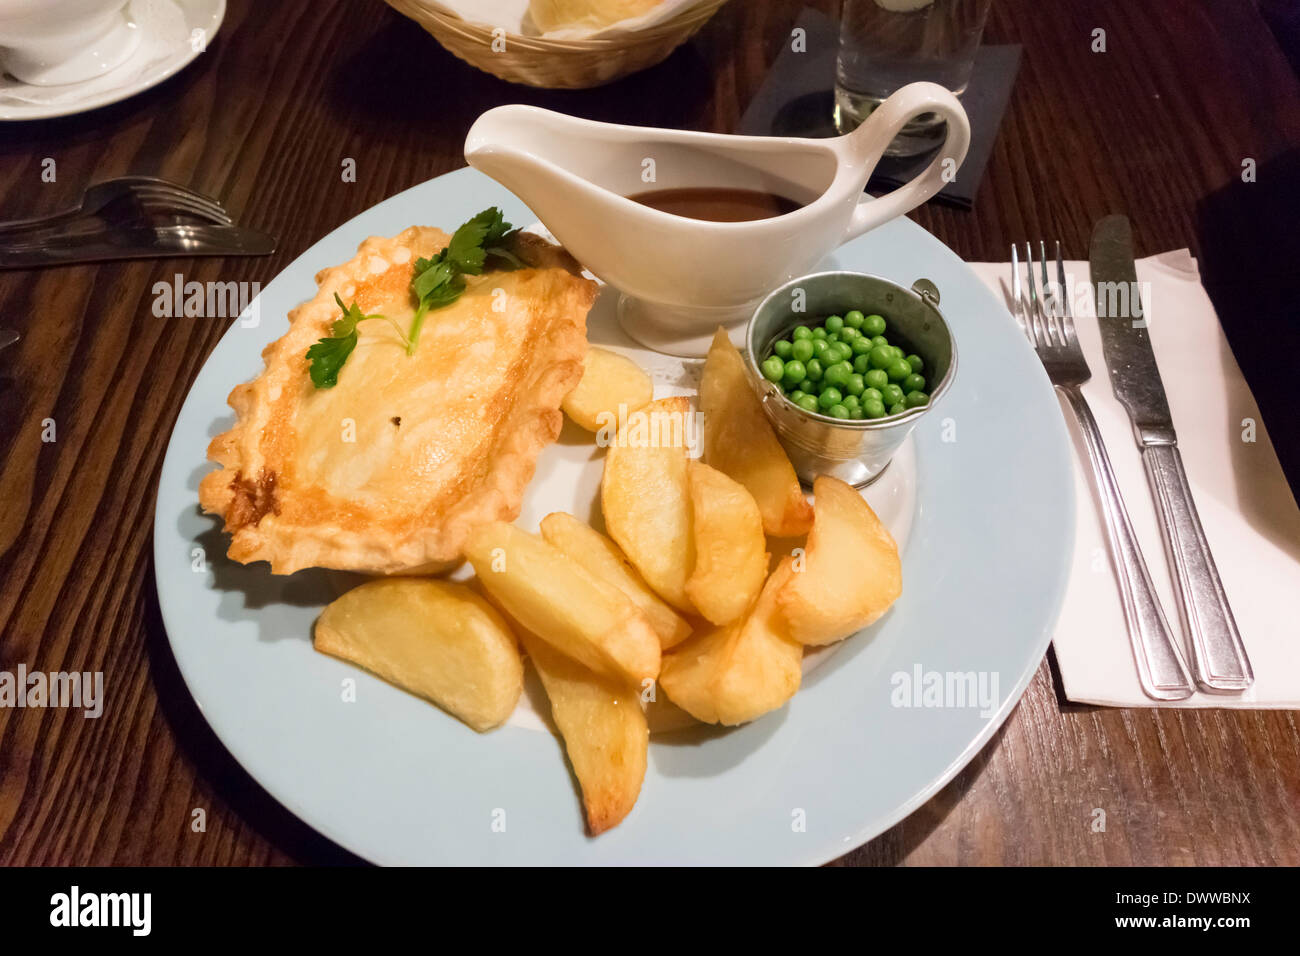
604, 560
689, 672
433, 638
645, 497
739, 441
612, 387
852, 573
390, 469
553, 596
604, 730
739, 672
730, 556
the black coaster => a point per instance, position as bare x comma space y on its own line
797, 99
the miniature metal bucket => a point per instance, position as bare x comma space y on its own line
856, 451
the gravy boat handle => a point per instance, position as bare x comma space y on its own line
866, 144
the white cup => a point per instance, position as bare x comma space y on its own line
54, 42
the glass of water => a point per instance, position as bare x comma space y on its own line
886, 44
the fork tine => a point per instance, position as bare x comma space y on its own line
153, 182
1017, 293
1049, 300
1034, 310
169, 194
1067, 317
166, 202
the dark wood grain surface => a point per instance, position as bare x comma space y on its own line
1158, 127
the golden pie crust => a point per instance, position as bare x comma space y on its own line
389, 470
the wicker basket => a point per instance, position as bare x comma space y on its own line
556, 64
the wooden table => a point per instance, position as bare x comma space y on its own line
1158, 126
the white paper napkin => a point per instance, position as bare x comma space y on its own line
1250, 517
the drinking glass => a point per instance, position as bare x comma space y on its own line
886, 44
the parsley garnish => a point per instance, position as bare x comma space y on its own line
328, 355
437, 282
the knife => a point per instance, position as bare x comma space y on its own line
135, 242
1219, 661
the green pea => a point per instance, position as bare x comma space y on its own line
819, 333
783, 348
861, 364
874, 325
809, 386
898, 370
815, 370
837, 411
834, 323
829, 396
873, 409
881, 356
898, 353
861, 345
808, 403
853, 319
846, 352
819, 347
849, 334
832, 338
794, 371
891, 394
897, 409
851, 402
856, 384
916, 399
916, 362
876, 378
914, 383
795, 394
773, 369
801, 332
871, 395
802, 350
839, 373
879, 340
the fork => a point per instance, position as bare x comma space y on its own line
1048, 323
113, 199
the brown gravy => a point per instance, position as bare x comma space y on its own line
717, 204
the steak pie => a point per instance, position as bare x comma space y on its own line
390, 468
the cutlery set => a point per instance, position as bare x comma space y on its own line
1218, 658
134, 217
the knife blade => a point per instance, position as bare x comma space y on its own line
145, 242
1219, 660
1134, 375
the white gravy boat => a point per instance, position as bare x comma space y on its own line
681, 278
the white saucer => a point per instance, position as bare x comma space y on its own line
172, 33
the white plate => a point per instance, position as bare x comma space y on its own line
173, 32
982, 498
